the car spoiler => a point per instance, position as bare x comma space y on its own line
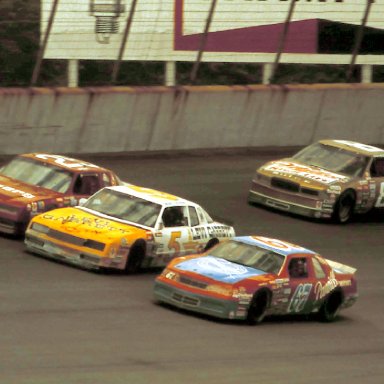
341, 268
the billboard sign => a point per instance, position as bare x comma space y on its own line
321, 31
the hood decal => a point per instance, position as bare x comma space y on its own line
89, 222
16, 191
219, 269
287, 168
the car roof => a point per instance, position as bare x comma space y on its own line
64, 162
354, 146
279, 246
152, 195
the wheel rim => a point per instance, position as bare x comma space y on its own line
345, 208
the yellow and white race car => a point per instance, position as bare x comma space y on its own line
125, 228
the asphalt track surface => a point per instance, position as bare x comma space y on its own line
60, 324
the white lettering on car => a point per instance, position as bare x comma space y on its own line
288, 168
323, 290
65, 161
17, 191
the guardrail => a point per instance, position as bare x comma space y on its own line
125, 119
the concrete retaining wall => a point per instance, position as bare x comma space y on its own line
124, 119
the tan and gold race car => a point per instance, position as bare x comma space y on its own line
125, 228
330, 179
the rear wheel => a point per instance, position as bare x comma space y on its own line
135, 258
211, 243
258, 307
331, 307
344, 206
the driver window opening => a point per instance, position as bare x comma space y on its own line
298, 268
377, 168
174, 217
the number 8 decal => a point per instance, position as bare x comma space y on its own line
380, 200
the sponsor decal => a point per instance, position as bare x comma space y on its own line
17, 191
286, 168
92, 222
199, 233
323, 290
218, 269
219, 231
242, 295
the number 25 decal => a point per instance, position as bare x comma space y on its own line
380, 200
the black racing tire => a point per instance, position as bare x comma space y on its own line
211, 243
258, 307
344, 207
135, 258
331, 306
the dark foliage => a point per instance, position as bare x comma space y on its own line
19, 44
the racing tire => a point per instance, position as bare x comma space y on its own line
211, 243
258, 307
135, 258
344, 206
330, 307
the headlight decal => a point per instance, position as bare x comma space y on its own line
39, 227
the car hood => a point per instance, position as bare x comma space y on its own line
12, 190
76, 221
218, 269
302, 173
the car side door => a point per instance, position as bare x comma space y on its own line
174, 237
302, 284
377, 176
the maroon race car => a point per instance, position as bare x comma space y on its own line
34, 183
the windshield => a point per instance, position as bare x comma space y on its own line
124, 207
333, 159
249, 256
38, 174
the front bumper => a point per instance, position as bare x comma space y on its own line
180, 298
11, 227
287, 205
68, 255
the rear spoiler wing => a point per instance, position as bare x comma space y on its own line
341, 268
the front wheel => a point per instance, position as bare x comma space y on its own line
344, 206
135, 258
257, 308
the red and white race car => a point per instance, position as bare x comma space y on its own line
37, 182
250, 277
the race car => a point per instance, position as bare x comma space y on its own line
250, 277
38, 182
330, 179
125, 228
